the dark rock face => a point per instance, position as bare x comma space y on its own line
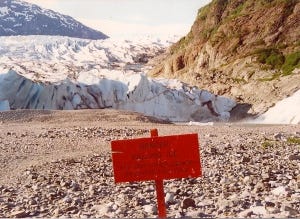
21, 18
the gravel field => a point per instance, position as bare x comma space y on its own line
58, 164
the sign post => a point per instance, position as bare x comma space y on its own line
156, 158
159, 185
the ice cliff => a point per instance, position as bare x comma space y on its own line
165, 99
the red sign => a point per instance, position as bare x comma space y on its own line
156, 158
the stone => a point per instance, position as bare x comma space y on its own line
210, 136
102, 209
169, 197
114, 207
33, 202
246, 159
246, 179
67, 199
19, 214
292, 211
294, 157
279, 191
150, 209
245, 194
92, 189
213, 151
193, 214
224, 204
188, 202
56, 212
258, 210
224, 180
259, 186
245, 214
278, 136
271, 207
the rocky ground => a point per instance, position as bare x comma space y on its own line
58, 164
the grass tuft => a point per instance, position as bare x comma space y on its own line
266, 144
293, 140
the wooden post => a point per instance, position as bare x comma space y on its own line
159, 185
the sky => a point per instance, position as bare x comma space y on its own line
128, 18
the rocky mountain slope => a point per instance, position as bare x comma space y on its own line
21, 18
246, 49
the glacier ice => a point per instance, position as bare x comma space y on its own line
46, 72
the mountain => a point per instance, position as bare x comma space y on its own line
248, 50
21, 18
62, 73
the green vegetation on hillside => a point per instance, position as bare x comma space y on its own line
276, 60
237, 11
270, 56
203, 12
292, 61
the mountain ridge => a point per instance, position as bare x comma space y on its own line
22, 18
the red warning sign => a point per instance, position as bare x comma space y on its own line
156, 158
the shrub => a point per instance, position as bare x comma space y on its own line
275, 60
292, 61
270, 56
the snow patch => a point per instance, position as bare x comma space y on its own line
286, 111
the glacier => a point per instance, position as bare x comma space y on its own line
67, 73
134, 92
